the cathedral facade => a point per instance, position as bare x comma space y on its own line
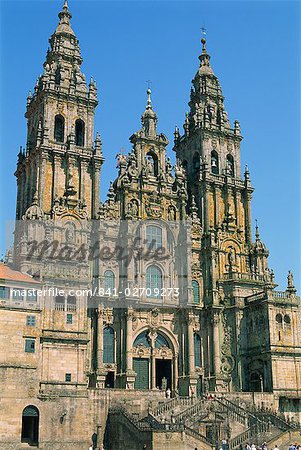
206, 319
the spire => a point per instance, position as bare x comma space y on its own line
149, 117
64, 16
204, 58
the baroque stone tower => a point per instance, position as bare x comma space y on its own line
232, 266
122, 334
61, 163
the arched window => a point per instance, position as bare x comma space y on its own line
71, 303
196, 291
197, 350
108, 345
214, 162
57, 77
256, 382
109, 280
30, 426
154, 237
59, 125
152, 163
287, 320
279, 319
153, 281
60, 303
142, 339
230, 165
79, 133
196, 162
161, 341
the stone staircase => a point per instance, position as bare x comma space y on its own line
145, 430
183, 416
263, 425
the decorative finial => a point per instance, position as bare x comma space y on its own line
149, 101
256, 230
65, 15
203, 40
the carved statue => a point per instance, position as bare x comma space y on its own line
290, 280
149, 167
231, 258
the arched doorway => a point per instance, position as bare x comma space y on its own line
256, 382
30, 426
153, 361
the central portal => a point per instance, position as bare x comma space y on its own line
163, 370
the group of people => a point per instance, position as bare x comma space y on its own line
264, 447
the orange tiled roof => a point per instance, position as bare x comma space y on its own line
6, 273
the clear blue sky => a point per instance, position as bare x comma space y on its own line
254, 49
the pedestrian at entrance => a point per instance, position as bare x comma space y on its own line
144, 447
276, 447
248, 447
292, 447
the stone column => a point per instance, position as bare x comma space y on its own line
56, 164
206, 207
248, 225
99, 337
191, 366
216, 342
83, 171
129, 340
95, 189
130, 374
216, 206
42, 181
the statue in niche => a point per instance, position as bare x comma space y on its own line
172, 214
70, 235
149, 167
133, 209
231, 258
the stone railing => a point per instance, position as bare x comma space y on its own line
243, 276
170, 404
195, 434
20, 303
196, 409
276, 420
238, 413
249, 435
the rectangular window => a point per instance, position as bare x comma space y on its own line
67, 377
31, 321
30, 345
18, 294
4, 292
69, 319
31, 295
154, 237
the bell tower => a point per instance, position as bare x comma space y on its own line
61, 162
232, 266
